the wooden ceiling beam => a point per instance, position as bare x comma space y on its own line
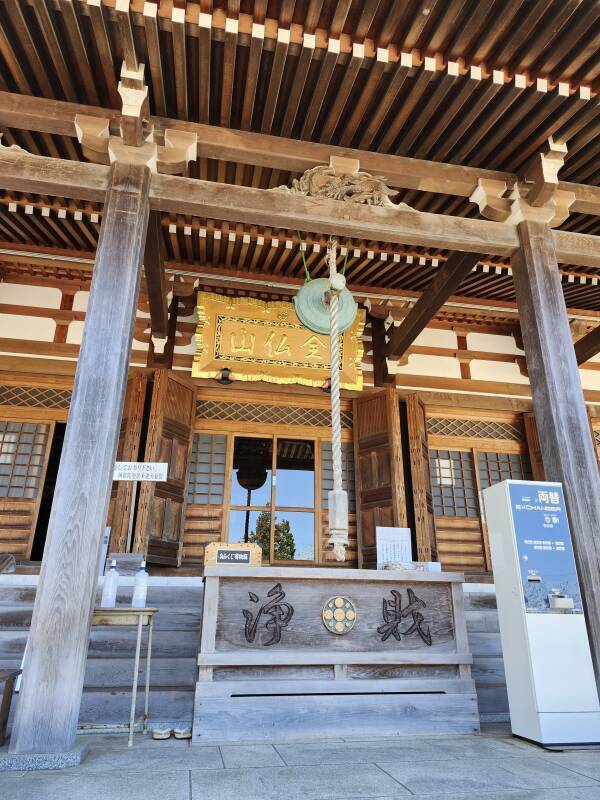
22, 172
447, 280
297, 212
257, 149
274, 152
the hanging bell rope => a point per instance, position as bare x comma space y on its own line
338, 499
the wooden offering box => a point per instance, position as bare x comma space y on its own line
301, 652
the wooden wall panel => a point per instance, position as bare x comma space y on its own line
203, 525
161, 509
121, 494
17, 522
533, 443
421, 479
379, 473
327, 559
460, 544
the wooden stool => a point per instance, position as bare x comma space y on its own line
8, 677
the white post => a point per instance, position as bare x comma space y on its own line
337, 498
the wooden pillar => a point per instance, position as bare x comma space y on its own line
566, 445
48, 708
380, 369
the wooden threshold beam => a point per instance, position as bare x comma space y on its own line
22, 172
448, 278
262, 150
588, 346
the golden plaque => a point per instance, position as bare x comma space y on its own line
260, 341
339, 615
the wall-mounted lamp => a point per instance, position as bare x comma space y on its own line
224, 377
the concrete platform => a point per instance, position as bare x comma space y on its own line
490, 766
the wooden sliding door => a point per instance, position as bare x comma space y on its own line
379, 471
161, 508
121, 496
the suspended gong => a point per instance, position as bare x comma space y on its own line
312, 308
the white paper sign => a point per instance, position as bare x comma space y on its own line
140, 471
393, 545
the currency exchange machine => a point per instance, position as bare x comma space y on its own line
552, 692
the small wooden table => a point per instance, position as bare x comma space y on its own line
142, 617
8, 678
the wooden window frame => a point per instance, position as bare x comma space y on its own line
228, 506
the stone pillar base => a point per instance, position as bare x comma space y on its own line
21, 762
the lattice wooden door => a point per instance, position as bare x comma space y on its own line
24, 452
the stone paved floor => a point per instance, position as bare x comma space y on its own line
492, 766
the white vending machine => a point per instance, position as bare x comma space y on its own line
552, 692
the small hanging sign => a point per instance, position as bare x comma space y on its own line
236, 554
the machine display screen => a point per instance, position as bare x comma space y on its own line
546, 558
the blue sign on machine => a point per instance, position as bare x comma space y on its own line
546, 558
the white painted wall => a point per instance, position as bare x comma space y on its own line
33, 329
37, 296
496, 371
491, 343
434, 366
80, 301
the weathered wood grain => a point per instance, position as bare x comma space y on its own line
306, 630
260, 718
48, 709
155, 277
568, 453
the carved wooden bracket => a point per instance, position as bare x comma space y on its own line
541, 174
137, 141
535, 197
135, 113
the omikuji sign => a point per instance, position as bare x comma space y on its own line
260, 341
140, 471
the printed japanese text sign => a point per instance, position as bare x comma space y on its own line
393, 546
140, 471
239, 554
544, 545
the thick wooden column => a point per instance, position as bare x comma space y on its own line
48, 707
564, 431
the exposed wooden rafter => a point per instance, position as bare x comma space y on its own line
445, 283
588, 346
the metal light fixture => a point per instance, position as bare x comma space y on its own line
224, 377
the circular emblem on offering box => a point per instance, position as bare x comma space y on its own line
339, 615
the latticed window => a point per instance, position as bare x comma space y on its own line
22, 452
496, 467
206, 482
347, 473
453, 483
